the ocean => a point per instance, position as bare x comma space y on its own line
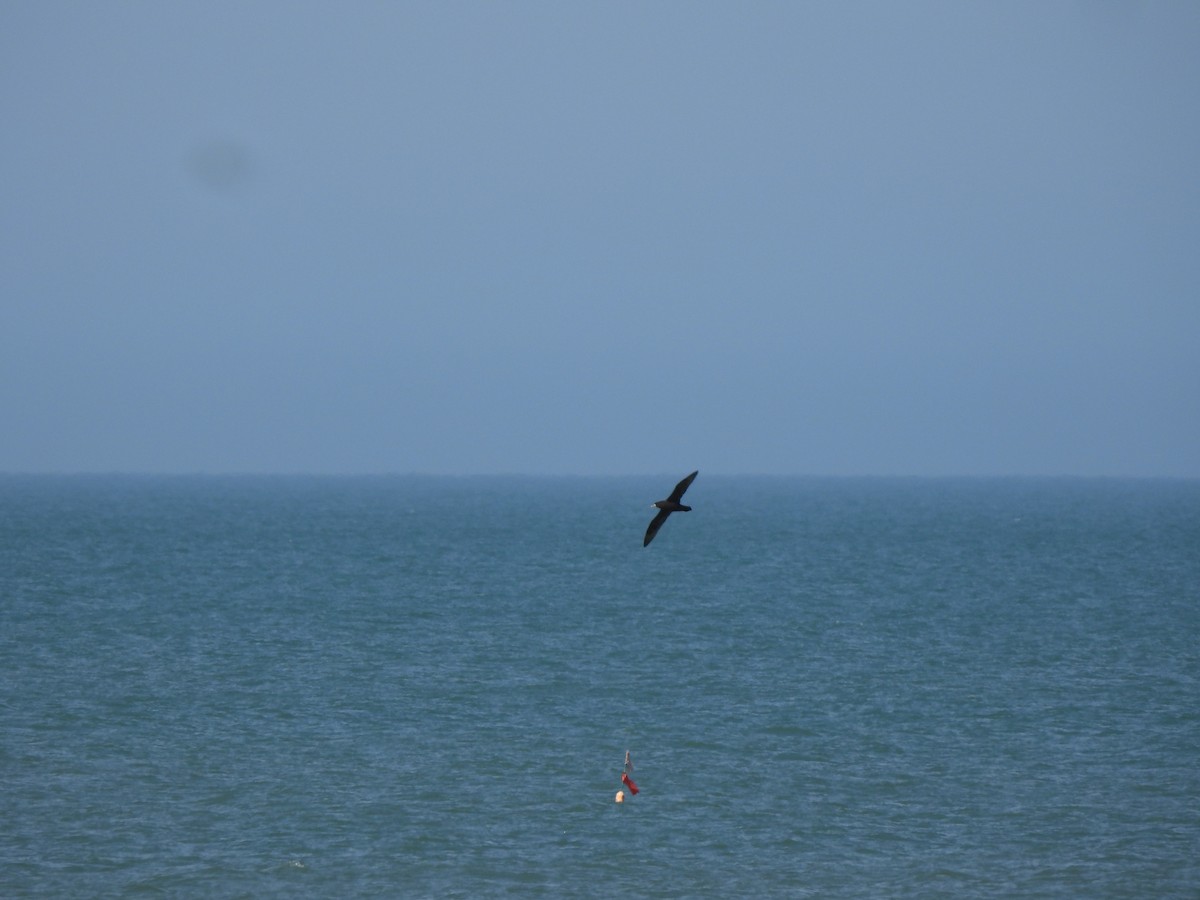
425, 687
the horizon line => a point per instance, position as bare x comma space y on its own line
232, 473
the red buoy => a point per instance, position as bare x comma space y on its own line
628, 782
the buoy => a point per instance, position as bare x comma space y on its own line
628, 782
620, 796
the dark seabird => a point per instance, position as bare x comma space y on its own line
668, 506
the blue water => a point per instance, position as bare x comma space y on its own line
422, 687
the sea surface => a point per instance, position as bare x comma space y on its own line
425, 687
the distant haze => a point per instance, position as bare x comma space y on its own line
817, 238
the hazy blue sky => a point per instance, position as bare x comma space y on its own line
828, 238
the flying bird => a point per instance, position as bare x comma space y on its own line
668, 506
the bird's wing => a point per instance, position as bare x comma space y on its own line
655, 524
677, 494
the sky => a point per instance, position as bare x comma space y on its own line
835, 238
